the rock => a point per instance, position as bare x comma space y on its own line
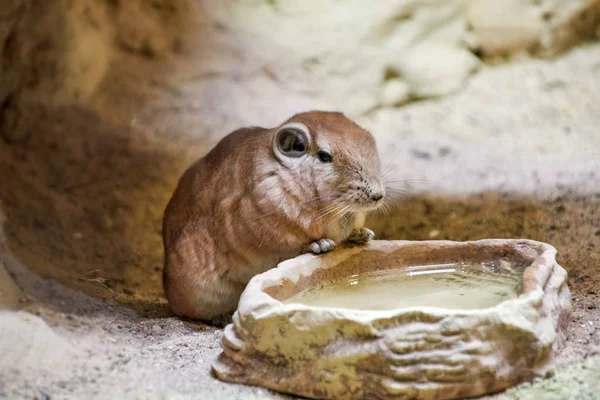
29, 346
579, 380
149, 28
507, 27
537, 27
435, 70
56, 51
10, 293
61, 51
395, 92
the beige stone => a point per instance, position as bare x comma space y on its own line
395, 92
10, 293
418, 352
29, 346
539, 27
505, 27
316, 52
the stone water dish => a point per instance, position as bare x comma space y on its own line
494, 314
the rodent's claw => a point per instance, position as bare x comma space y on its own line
321, 246
362, 235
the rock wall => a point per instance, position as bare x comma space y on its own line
10, 293
354, 55
58, 52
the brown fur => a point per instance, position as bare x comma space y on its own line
238, 211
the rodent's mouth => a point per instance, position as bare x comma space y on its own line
362, 201
366, 205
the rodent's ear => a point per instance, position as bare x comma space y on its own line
291, 141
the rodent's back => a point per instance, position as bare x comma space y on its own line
204, 182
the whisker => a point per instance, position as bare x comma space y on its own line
411, 180
329, 210
396, 190
386, 209
302, 202
317, 198
398, 193
338, 214
390, 162
393, 168
383, 210
392, 171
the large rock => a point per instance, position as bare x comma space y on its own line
540, 27
371, 54
58, 50
28, 346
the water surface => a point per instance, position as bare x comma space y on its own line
453, 286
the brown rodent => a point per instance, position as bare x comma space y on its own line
261, 196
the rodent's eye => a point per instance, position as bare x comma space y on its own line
324, 156
292, 142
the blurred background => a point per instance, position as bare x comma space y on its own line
487, 112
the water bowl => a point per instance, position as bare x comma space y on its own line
400, 319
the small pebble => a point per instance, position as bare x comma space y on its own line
156, 328
434, 233
444, 151
421, 154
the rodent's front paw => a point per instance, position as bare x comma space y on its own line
362, 235
321, 246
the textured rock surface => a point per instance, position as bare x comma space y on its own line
541, 27
61, 50
579, 381
56, 51
512, 154
9, 291
426, 353
29, 346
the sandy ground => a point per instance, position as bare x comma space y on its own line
515, 154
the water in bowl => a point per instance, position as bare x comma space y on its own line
452, 286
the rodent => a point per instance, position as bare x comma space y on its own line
261, 196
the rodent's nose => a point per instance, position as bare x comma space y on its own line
376, 196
